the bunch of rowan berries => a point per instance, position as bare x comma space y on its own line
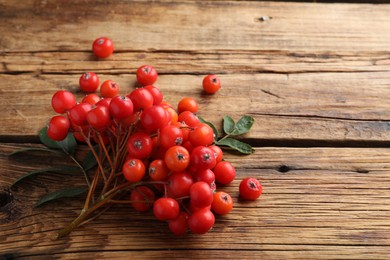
162, 155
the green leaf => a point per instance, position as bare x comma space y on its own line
64, 193
243, 125
228, 124
211, 125
90, 161
236, 145
32, 149
63, 169
68, 145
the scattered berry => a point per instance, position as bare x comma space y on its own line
102, 47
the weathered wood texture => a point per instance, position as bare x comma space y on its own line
311, 74
329, 201
314, 72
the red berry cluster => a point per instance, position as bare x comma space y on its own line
162, 155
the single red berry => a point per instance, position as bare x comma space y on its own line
99, 117
179, 184
146, 75
189, 118
158, 170
201, 221
121, 107
177, 158
201, 195
104, 102
109, 89
207, 176
179, 225
187, 104
202, 135
62, 101
250, 188
202, 158
133, 170
103, 47
222, 203
156, 93
58, 128
91, 99
224, 172
218, 153
166, 209
78, 114
142, 198
170, 136
211, 84
89, 82
139, 145
141, 99
153, 118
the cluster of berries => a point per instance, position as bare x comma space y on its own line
162, 155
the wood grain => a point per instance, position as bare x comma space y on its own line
330, 107
329, 200
312, 74
175, 25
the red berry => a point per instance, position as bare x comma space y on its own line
166, 209
121, 107
170, 136
140, 145
62, 101
91, 99
250, 188
222, 203
156, 93
189, 118
177, 158
201, 195
204, 175
58, 128
109, 89
141, 99
224, 172
179, 184
201, 221
211, 84
202, 158
99, 117
179, 225
103, 47
78, 114
154, 118
89, 82
202, 135
146, 75
158, 170
142, 198
133, 170
187, 104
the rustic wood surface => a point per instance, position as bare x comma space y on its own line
314, 76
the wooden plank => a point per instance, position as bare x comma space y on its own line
202, 62
323, 107
174, 25
332, 201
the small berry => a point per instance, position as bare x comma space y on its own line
103, 47
250, 188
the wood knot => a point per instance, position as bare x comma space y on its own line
283, 168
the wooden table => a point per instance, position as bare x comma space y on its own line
315, 76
